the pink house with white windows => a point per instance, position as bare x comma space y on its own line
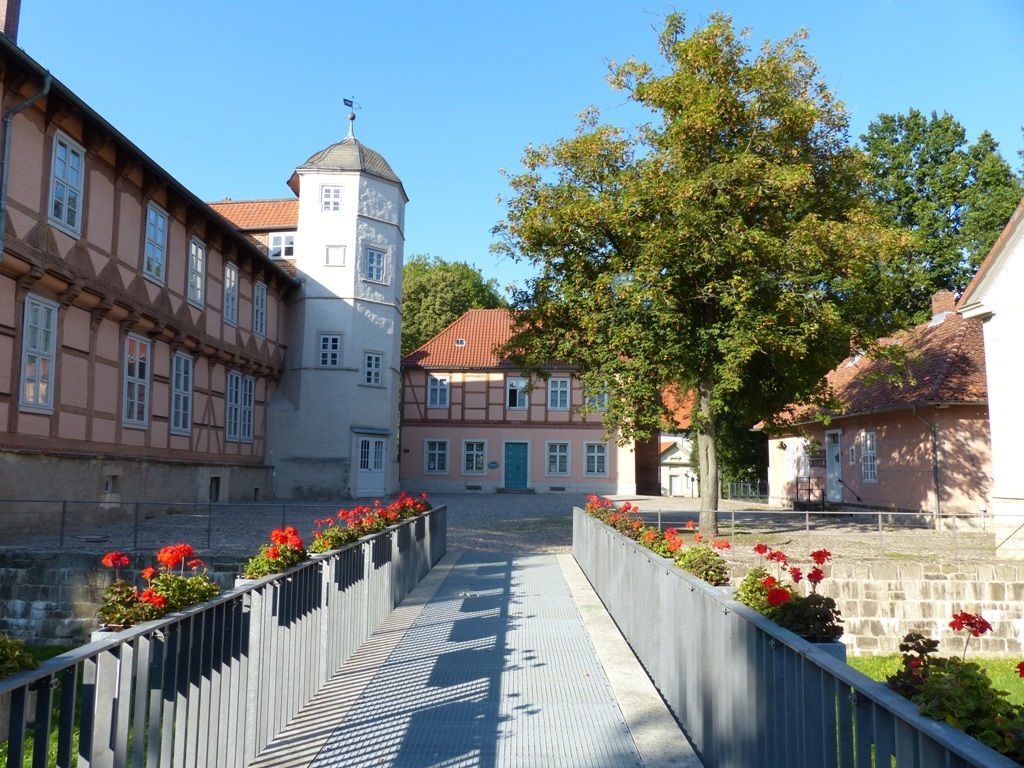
472, 422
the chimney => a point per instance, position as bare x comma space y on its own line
943, 302
10, 11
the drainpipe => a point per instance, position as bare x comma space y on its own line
935, 459
5, 159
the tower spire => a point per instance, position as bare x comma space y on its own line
350, 103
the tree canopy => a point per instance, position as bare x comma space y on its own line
956, 197
726, 247
436, 292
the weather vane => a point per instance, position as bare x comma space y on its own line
351, 104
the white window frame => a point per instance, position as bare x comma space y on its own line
248, 408
67, 184
328, 350
869, 456
281, 245
598, 402
138, 355
259, 309
374, 265
334, 256
435, 457
182, 376
474, 452
559, 452
239, 407
438, 391
559, 394
853, 455
330, 198
518, 385
154, 255
196, 272
231, 293
593, 454
373, 369
38, 354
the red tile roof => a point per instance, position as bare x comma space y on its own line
480, 331
259, 215
945, 364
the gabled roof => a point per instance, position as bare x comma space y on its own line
945, 364
259, 215
972, 301
466, 344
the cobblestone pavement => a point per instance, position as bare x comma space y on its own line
517, 523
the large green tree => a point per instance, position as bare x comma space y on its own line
954, 196
437, 292
726, 247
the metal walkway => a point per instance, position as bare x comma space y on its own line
488, 664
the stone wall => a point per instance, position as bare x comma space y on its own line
883, 600
52, 598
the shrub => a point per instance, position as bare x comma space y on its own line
14, 657
284, 550
704, 563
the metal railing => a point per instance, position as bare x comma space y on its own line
747, 693
756, 490
214, 684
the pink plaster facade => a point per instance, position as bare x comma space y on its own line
69, 394
904, 478
557, 440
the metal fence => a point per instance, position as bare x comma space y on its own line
214, 684
754, 491
747, 693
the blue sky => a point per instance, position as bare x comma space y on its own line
231, 96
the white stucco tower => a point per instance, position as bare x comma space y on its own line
333, 425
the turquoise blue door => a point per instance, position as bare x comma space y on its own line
515, 465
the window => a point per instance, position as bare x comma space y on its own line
473, 457
374, 265
238, 416
259, 310
181, 394
598, 402
558, 394
868, 457
437, 457
136, 381
196, 272
335, 256
282, 245
437, 392
853, 454
66, 184
156, 243
38, 353
330, 197
558, 459
373, 363
330, 350
516, 398
231, 294
597, 459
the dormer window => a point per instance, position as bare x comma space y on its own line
460, 342
330, 199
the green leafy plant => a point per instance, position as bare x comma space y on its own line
284, 550
351, 524
14, 657
704, 563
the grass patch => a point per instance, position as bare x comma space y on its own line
1002, 672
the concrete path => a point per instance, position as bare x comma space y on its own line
494, 661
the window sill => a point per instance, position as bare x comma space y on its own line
154, 279
69, 231
40, 410
135, 425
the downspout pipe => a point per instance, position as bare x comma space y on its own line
935, 459
5, 158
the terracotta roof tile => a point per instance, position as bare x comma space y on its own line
259, 215
467, 343
945, 364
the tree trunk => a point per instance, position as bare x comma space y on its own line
707, 452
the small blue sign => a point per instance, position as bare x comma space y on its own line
492, 465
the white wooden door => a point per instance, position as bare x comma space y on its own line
833, 467
370, 455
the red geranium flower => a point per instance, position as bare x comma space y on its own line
689, 525
821, 556
675, 545
273, 553
149, 573
173, 555
697, 537
769, 581
778, 596
671, 533
151, 597
649, 536
815, 576
760, 549
795, 574
115, 560
1020, 669
721, 545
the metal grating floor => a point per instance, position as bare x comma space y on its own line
496, 672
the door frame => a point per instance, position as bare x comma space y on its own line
357, 491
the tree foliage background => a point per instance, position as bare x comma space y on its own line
954, 196
436, 292
728, 246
